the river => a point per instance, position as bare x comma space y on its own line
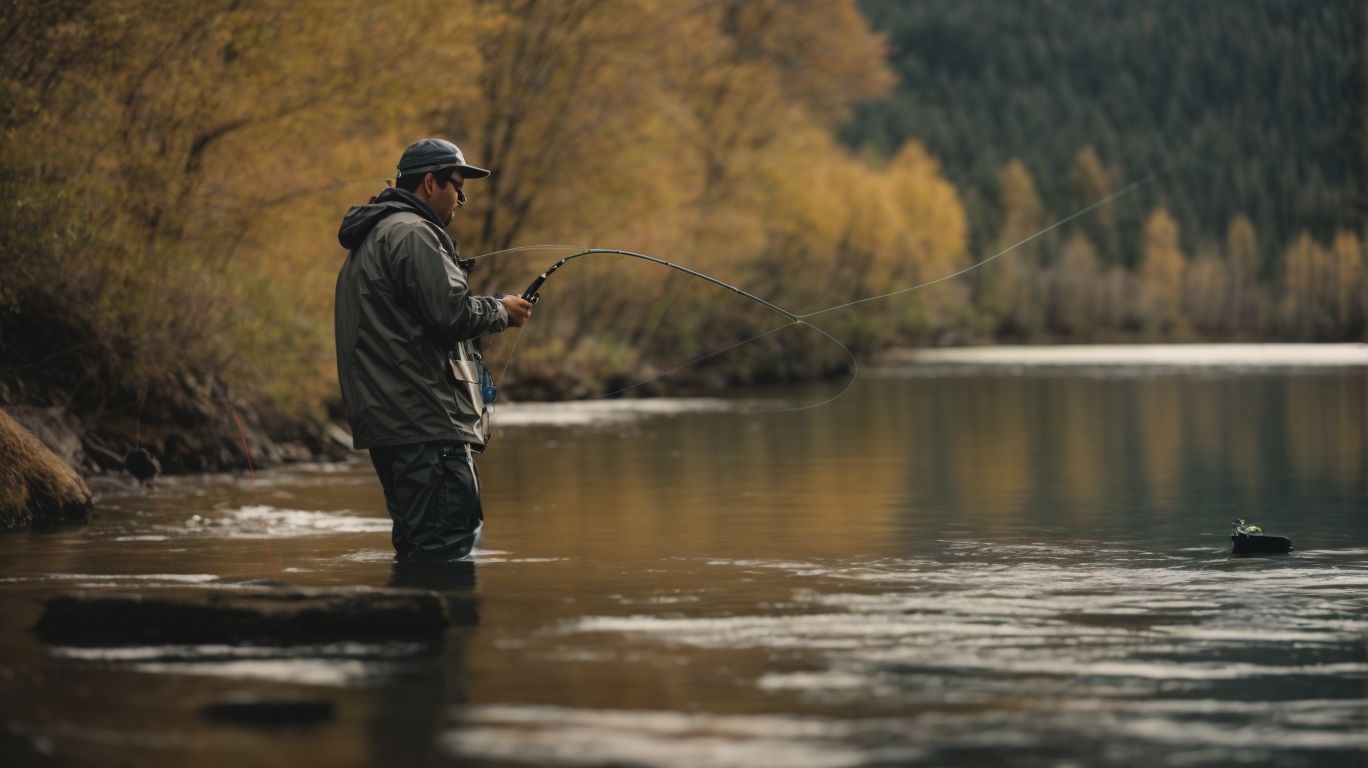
952, 564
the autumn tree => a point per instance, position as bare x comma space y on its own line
1074, 282
603, 128
1162, 271
1350, 290
194, 153
1207, 294
1089, 183
1323, 288
1006, 290
1305, 281
1242, 266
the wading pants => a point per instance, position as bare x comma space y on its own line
433, 496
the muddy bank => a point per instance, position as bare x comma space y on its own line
200, 425
202, 428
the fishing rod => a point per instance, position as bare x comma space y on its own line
532, 292
532, 295
1080, 212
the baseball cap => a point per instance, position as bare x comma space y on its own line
433, 155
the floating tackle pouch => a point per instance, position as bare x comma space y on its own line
1249, 539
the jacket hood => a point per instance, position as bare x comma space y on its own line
361, 219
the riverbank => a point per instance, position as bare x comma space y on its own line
209, 429
1140, 355
205, 429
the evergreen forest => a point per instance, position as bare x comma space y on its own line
1249, 115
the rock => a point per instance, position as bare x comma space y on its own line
198, 425
55, 427
339, 436
141, 465
99, 458
289, 615
294, 453
256, 710
36, 485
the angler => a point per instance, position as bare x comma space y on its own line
408, 356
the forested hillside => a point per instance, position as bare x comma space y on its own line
174, 173
1251, 112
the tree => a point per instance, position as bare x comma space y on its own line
1304, 309
1207, 294
1075, 283
1091, 182
1242, 266
1350, 288
1162, 271
1007, 288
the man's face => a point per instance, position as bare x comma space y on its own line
445, 197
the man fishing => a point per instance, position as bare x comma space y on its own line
408, 355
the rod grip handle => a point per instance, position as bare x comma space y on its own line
531, 293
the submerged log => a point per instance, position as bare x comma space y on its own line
278, 616
269, 712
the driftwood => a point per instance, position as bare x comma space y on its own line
276, 616
269, 712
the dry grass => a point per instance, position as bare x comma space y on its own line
35, 485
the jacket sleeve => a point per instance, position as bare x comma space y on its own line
437, 289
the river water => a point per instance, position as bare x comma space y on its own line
949, 565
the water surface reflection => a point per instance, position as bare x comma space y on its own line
954, 569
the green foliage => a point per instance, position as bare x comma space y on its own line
1253, 115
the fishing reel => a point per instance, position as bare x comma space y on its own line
530, 295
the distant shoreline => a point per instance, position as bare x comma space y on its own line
1156, 355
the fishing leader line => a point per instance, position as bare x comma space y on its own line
532, 292
854, 366
1080, 212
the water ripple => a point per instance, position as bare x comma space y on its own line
1171, 654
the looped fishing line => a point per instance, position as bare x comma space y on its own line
539, 247
1080, 212
786, 314
792, 317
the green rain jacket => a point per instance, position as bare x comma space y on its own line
405, 324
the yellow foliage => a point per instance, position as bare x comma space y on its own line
1074, 283
1091, 183
202, 154
1324, 290
1207, 292
1300, 306
1350, 288
1162, 271
1022, 212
